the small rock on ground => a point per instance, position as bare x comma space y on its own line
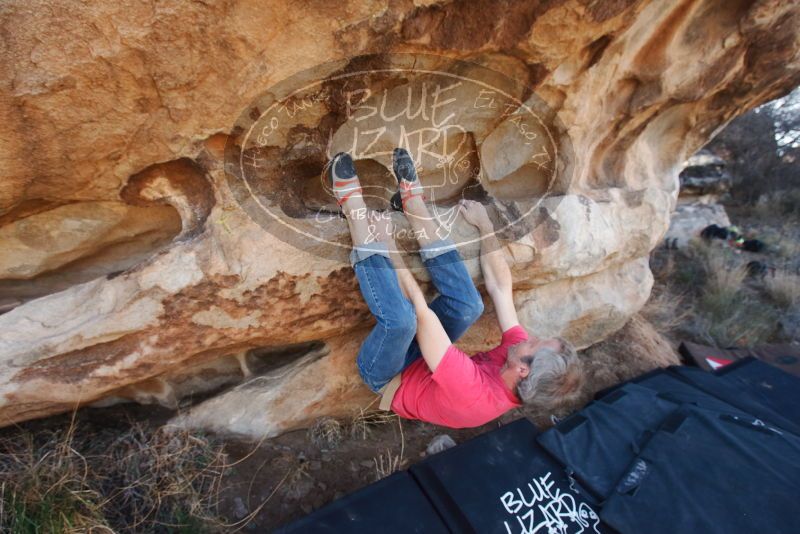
440, 443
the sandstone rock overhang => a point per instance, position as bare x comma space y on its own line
109, 110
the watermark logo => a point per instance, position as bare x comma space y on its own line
473, 133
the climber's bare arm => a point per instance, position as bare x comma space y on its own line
433, 340
496, 274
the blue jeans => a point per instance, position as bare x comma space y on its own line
392, 344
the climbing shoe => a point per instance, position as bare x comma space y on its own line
408, 184
344, 181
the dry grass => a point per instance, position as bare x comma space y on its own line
665, 310
137, 480
326, 433
723, 274
787, 248
726, 315
365, 420
702, 294
782, 241
749, 321
784, 289
387, 464
781, 204
722, 280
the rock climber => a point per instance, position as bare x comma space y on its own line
409, 356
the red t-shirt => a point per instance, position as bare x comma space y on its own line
464, 392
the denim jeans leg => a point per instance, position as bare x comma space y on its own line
458, 304
383, 353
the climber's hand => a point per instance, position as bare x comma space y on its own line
475, 214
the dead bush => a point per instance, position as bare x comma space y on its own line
665, 310
747, 321
724, 275
783, 288
702, 294
326, 433
78, 479
365, 420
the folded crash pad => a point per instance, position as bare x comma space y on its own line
597, 444
735, 393
710, 390
768, 384
703, 471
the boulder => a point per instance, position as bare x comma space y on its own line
704, 177
169, 238
77, 242
689, 220
703, 181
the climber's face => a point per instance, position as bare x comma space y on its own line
519, 356
531, 346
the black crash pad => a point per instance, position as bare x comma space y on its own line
670, 386
733, 392
714, 391
598, 443
703, 471
768, 384
504, 482
394, 504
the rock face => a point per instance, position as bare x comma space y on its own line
134, 269
690, 218
704, 177
703, 181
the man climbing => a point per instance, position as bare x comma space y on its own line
409, 355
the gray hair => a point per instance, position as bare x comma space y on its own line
554, 377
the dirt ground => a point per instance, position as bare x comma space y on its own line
287, 477
267, 484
